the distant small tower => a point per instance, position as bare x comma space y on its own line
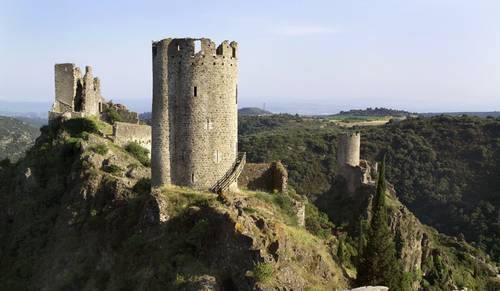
195, 112
348, 148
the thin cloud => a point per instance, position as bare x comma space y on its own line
304, 30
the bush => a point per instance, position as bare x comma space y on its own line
112, 169
262, 272
101, 149
138, 152
318, 222
113, 115
77, 126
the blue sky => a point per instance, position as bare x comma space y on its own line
298, 56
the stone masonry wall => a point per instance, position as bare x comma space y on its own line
264, 177
124, 133
75, 96
66, 77
194, 119
348, 149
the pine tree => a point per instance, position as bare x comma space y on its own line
379, 264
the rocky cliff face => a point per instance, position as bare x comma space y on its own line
431, 260
77, 214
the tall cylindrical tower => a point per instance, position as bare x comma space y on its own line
195, 111
348, 148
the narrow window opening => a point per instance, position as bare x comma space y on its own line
197, 46
192, 177
209, 124
178, 47
78, 102
234, 52
195, 91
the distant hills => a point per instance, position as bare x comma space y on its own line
377, 111
253, 111
246, 111
477, 114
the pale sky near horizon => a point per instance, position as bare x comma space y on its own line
304, 56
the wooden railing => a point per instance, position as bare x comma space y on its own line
232, 175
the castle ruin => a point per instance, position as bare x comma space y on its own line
194, 116
348, 149
350, 167
76, 96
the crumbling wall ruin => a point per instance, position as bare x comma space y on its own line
124, 133
267, 177
76, 96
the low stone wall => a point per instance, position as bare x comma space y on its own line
124, 133
267, 177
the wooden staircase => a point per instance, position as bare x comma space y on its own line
231, 176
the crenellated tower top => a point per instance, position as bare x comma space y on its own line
197, 47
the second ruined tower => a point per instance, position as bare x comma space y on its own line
348, 148
194, 114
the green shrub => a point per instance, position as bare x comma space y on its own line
77, 126
101, 149
112, 169
138, 152
318, 222
113, 115
262, 272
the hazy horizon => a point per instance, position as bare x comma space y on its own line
315, 57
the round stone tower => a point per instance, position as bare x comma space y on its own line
348, 148
195, 112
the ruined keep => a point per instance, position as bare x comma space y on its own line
76, 96
194, 115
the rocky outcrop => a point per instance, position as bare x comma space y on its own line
431, 259
74, 217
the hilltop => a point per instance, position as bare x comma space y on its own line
77, 212
375, 112
252, 111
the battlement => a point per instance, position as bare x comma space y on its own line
196, 48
